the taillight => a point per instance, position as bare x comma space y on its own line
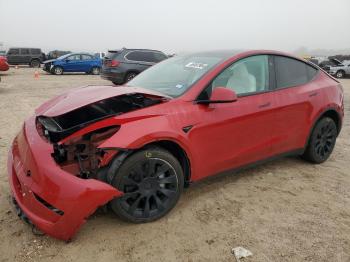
115, 63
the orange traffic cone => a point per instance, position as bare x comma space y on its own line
36, 75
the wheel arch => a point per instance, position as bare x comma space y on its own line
328, 112
178, 152
333, 114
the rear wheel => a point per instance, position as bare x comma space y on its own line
34, 63
57, 70
116, 83
322, 141
340, 74
130, 76
95, 70
152, 182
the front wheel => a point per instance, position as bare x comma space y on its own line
322, 141
152, 181
340, 74
57, 70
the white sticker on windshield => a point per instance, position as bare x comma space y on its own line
196, 65
179, 86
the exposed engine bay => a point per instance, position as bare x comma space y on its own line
81, 156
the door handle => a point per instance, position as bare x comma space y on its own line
265, 105
313, 94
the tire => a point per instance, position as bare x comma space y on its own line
95, 70
152, 181
57, 70
116, 83
321, 141
340, 74
130, 76
34, 63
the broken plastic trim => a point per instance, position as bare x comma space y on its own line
58, 127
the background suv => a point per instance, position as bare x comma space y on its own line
25, 56
120, 66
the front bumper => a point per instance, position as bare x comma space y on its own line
55, 201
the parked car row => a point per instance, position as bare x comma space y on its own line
118, 66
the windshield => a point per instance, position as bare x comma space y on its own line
176, 75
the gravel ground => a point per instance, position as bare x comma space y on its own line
286, 210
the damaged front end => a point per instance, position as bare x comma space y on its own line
80, 154
57, 170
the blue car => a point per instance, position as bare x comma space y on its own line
75, 62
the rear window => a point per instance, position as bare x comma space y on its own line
112, 54
292, 72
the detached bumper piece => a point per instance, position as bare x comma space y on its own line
55, 201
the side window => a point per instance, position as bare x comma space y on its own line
14, 51
248, 75
86, 57
141, 56
159, 57
73, 57
24, 51
134, 56
291, 72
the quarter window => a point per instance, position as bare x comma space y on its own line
248, 75
291, 72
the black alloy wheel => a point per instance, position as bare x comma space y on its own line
152, 181
322, 141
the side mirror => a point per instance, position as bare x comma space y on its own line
220, 95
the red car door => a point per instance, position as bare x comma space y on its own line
231, 135
295, 102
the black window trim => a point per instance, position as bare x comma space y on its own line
272, 80
290, 57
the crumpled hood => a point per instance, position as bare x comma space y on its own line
86, 95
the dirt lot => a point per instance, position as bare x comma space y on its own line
287, 210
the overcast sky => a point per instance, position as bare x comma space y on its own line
177, 25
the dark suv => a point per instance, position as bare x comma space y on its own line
120, 66
25, 56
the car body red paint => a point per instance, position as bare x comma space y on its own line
223, 136
4, 66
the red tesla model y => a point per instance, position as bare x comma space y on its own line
135, 147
